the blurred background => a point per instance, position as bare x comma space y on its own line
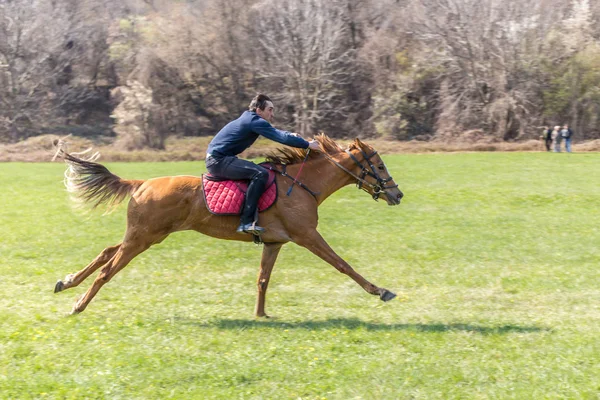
133, 73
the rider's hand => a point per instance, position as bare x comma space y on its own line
314, 145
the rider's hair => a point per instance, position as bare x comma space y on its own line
259, 101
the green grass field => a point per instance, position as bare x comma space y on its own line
494, 258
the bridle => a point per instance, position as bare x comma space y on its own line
378, 188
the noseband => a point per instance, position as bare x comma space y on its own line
378, 188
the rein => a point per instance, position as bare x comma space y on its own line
294, 180
298, 174
378, 188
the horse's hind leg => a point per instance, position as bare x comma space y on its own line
75, 279
126, 252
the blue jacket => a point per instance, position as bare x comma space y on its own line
239, 134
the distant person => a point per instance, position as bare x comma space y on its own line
566, 133
237, 136
547, 137
556, 139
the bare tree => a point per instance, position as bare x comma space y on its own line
572, 93
28, 43
210, 47
410, 68
303, 52
53, 57
477, 48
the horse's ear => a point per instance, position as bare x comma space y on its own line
357, 144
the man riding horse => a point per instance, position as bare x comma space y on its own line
237, 136
164, 205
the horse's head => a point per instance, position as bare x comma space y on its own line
373, 174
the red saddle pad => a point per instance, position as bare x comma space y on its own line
227, 197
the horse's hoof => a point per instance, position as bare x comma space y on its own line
387, 295
59, 287
74, 311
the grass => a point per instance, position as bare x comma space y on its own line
494, 258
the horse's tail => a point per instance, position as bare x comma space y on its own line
94, 184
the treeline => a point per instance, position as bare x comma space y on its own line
142, 70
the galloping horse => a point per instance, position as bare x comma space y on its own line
164, 205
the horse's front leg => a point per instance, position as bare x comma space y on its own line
314, 242
269, 255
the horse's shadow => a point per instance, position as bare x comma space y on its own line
355, 323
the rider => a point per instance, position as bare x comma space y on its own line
237, 136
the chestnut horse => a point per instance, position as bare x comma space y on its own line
164, 205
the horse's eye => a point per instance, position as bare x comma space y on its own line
381, 168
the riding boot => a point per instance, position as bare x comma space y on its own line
250, 210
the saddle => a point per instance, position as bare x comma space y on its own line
226, 197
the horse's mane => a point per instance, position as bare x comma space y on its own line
292, 155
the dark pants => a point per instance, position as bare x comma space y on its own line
234, 168
548, 144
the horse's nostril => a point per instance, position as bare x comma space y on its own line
400, 195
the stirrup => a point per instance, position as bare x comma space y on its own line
251, 228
